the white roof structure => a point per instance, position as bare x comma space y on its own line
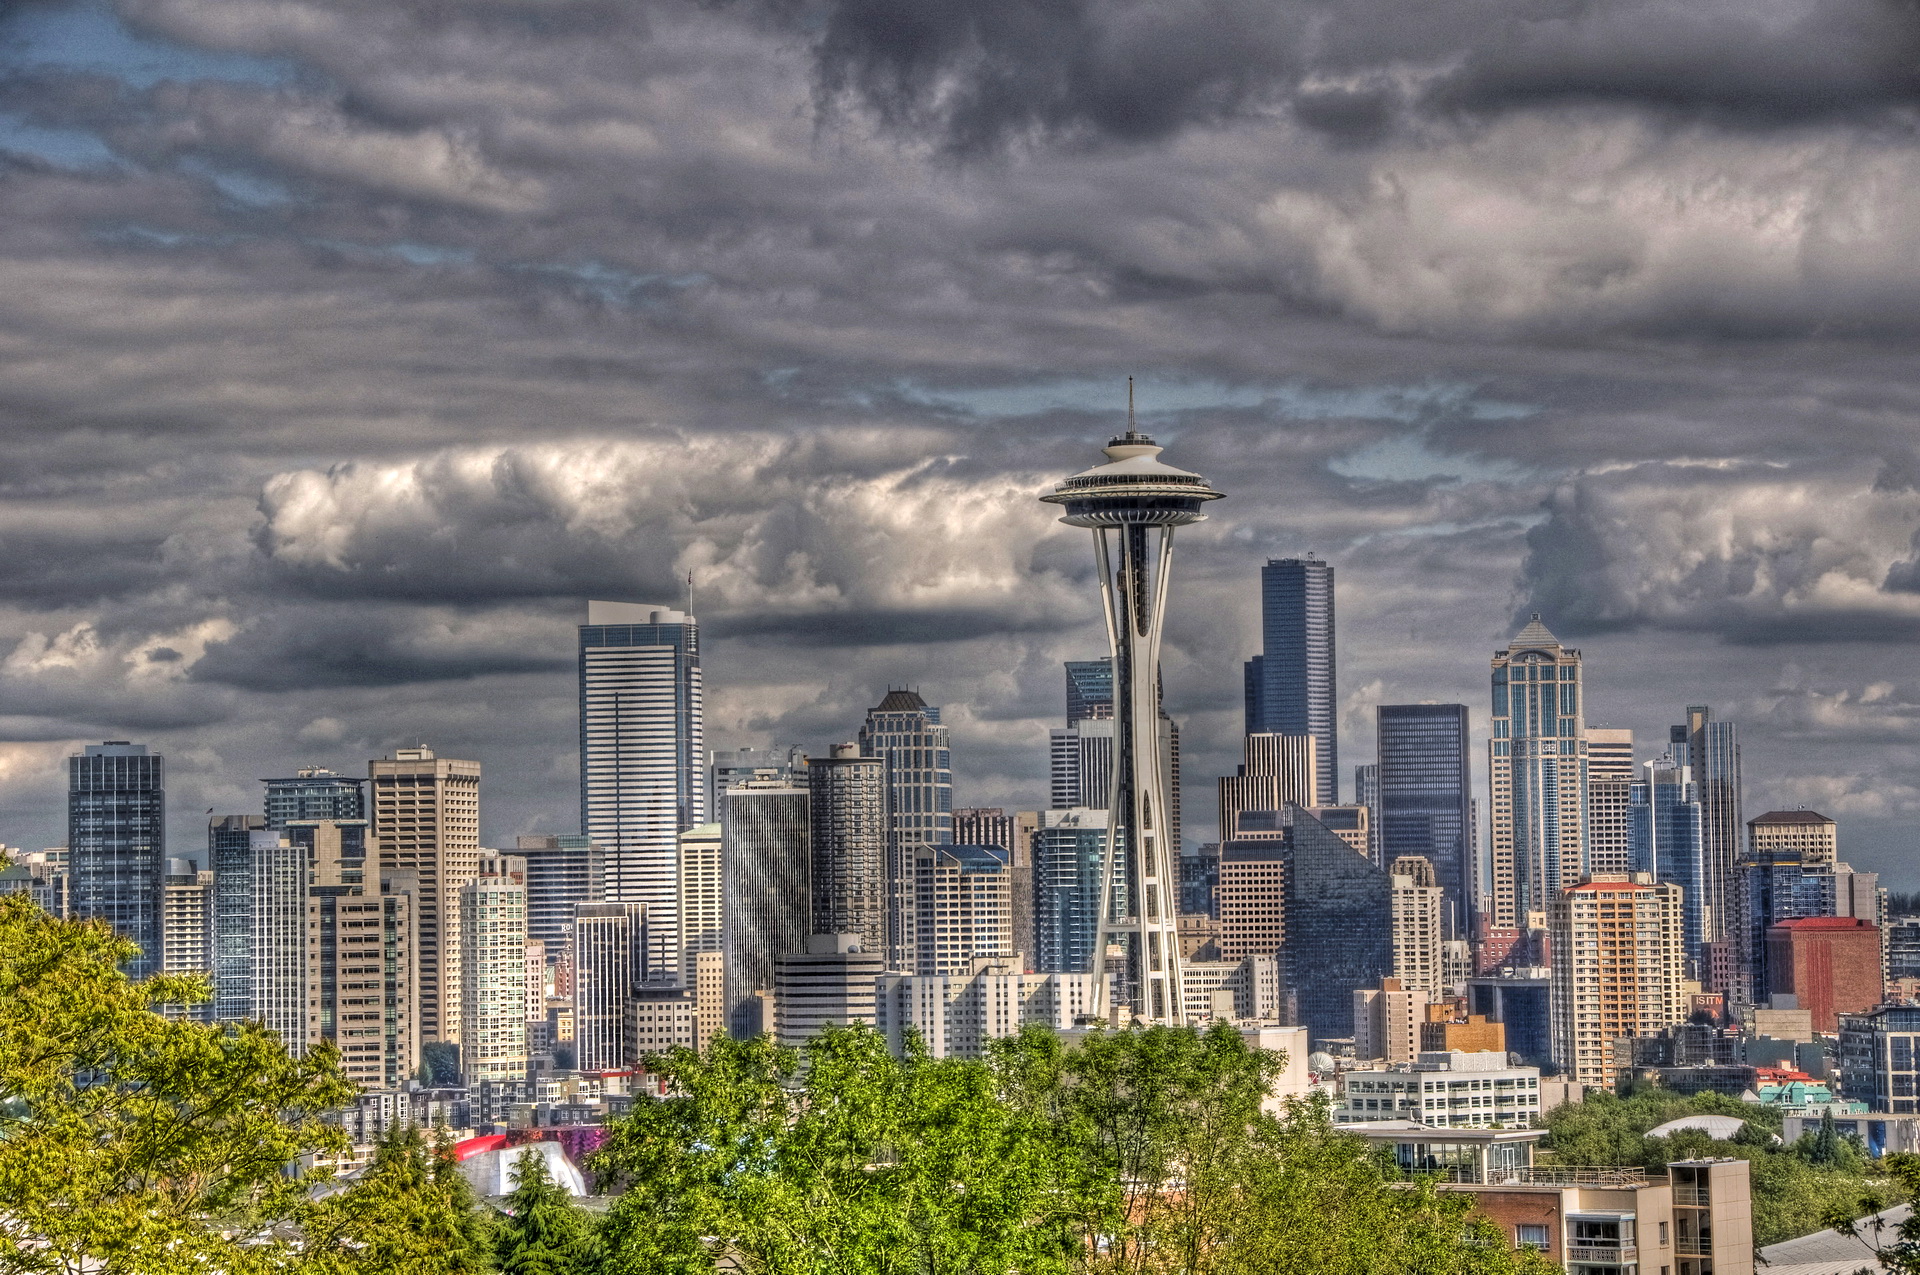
1720, 1128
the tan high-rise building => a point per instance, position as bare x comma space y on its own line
1387, 1021
1537, 769
1618, 966
709, 997
702, 897
358, 983
1418, 933
1807, 833
1352, 824
1610, 778
963, 908
493, 971
426, 818
188, 935
1253, 898
1276, 770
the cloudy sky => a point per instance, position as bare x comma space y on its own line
346, 346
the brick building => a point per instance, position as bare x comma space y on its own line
1829, 965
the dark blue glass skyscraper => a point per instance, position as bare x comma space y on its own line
1089, 689
117, 844
1425, 782
1290, 684
1665, 825
314, 793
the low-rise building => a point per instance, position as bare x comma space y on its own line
1449, 1090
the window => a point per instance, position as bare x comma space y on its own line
1663, 1235
1530, 1235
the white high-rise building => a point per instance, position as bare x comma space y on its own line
702, 897
642, 746
493, 971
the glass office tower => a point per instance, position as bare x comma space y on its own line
117, 844
1425, 798
1290, 684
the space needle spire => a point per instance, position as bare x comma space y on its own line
1132, 504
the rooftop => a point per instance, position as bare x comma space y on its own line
1824, 923
1534, 636
901, 702
1790, 816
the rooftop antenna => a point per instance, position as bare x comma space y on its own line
689, 592
1131, 431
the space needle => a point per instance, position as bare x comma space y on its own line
1124, 501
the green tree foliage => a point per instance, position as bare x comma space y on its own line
131, 1143
1796, 1189
410, 1213
1132, 1152
1898, 1244
543, 1232
868, 1164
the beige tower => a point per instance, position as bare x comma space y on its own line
493, 971
1618, 962
1807, 833
1417, 934
426, 818
1276, 770
1610, 777
1537, 769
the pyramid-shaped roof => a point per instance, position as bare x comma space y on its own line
1535, 634
901, 702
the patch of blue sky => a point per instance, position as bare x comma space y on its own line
62, 147
242, 188
409, 251
1158, 395
612, 285
90, 36
1409, 457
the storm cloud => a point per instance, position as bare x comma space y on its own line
347, 347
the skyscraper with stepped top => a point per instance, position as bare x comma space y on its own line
1132, 504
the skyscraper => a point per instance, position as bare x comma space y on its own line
1123, 502
1666, 829
493, 972
1617, 969
1339, 925
188, 942
1611, 774
1069, 847
1366, 792
642, 745
352, 975
563, 870
314, 792
426, 820
608, 943
117, 845
905, 732
1536, 776
703, 899
767, 858
1089, 689
1276, 770
1426, 798
1713, 754
230, 844
1418, 900
964, 907
849, 832
1291, 684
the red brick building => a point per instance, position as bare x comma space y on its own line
1829, 964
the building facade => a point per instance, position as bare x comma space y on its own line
426, 820
188, 941
1618, 969
609, 946
703, 896
1291, 684
1611, 775
563, 871
1537, 773
1276, 771
1425, 783
905, 732
831, 983
1069, 848
767, 856
850, 826
1712, 753
493, 971
963, 908
1447, 1088
642, 747
314, 792
1418, 930
230, 850
1826, 965
117, 845
1664, 816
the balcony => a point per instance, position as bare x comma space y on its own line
1610, 1254
1693, 1245
1693, 1197
1567, 1175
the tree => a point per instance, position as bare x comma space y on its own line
863, 1164
543, 1232
410, 1213
132, 1143
1897, 1243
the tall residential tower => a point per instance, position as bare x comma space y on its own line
117, 844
